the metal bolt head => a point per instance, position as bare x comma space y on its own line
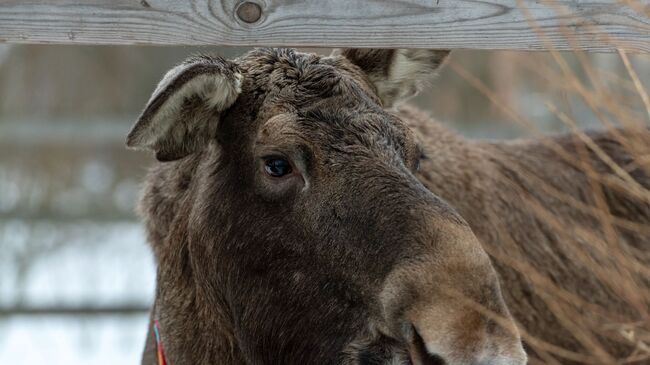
249, 12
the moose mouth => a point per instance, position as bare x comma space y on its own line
418, 353
386, 350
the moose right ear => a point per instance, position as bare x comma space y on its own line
182, 114
397, 74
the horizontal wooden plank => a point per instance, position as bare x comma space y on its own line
593, 25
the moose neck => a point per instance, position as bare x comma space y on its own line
191, 330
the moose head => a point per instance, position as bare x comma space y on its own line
289, 224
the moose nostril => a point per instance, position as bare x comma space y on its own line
419, 354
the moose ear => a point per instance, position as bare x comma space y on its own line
182, 114
397, 74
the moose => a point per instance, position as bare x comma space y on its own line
300, 213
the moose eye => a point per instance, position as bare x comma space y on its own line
277, 167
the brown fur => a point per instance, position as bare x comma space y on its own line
491, 185
362, 259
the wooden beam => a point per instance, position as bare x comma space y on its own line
593, 25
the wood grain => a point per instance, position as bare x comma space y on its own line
596, 25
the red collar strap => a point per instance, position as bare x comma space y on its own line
159, 347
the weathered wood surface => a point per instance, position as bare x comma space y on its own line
594, 25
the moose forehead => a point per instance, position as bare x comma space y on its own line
305, 81
322, 98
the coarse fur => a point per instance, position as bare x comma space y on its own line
373, 251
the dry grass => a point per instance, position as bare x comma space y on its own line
613, 249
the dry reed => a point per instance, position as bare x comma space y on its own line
616, 253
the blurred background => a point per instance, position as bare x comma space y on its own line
76, 275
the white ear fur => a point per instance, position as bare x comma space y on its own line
184, 107
397, 74
409, 72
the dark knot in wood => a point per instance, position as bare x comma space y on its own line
249, 12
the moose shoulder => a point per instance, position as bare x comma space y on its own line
300, 215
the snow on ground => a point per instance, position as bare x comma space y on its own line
70, 264
26, 340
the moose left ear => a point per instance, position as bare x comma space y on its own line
397, 74
182, 113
